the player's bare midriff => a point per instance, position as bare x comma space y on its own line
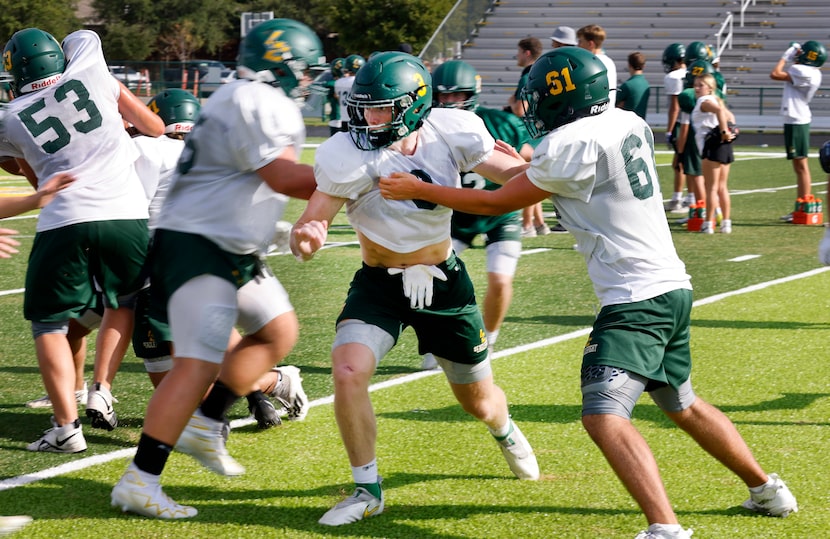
378, 256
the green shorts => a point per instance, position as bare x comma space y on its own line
177, 257
797, 140
649, 338
65, 261
690, 158
451, 328
507, 227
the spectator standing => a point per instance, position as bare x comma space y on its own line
563, 36
634, 93
591, 38
801, 81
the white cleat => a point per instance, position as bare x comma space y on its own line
518, 454
203, 439
144, 496
289, 392
775, 500
46, 402
66, 439
361, 504
99, 408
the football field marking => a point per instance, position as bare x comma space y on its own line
87, 462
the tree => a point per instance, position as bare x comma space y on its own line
54, 16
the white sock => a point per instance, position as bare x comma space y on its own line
368, 473
677, 196
671, 528
491, 337
760, 488
502, 431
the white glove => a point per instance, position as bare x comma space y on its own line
417, 283
792, 52
824, 248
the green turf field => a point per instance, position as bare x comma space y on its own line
759, 355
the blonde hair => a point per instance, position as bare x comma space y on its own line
709, 80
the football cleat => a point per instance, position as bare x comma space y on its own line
203, 439
265, 414
518, 454
46, 402
13, 523
659, 531
361, 504
137, 493
774, 500
290, 394
99, 408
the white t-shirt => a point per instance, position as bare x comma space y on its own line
703, 122
74, 126
601, 172
450, 140
795, 102
216, 191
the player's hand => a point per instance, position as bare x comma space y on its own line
790, 54
824, 248
308, 238
7, 244
417, 283
400, 186
505, 148
50, 188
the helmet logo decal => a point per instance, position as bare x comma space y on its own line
812, 55
7, 61
276, 50
422, 85
555, 79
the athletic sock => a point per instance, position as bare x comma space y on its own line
151, 455
218, 401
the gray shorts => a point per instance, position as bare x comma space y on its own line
614, 391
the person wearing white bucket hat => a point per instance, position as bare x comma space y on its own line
563, 36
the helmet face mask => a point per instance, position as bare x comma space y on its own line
696, 69
456, 76
812, 53
280, 51
672, 55
34, 59
177, 108
564, 85
396, 81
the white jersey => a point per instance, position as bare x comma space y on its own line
74, 126
673, 82
601, 171
450, 140
155, 167
611, 68
216, 191
795, 103
703, 122
342, 87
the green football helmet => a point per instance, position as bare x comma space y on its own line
812, 53
673, 54
389, 79
336, 67
696, 69
353, 63
698, 50
177, 108
34, 59
564, 85
279, 51
456, 76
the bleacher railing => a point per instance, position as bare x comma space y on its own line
458, 26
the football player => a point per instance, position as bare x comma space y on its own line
674, 65
67, 116
608, 195
410, 274
456, 84
343, 85
801, 81
239, 164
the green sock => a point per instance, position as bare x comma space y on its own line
371, 488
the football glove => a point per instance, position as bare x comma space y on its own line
671, 140
824, 248
417, 283
790, 54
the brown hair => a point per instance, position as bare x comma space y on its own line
592, 32
532, 45
637, 61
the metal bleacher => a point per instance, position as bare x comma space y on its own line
648, 26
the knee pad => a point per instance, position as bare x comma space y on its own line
357, 331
